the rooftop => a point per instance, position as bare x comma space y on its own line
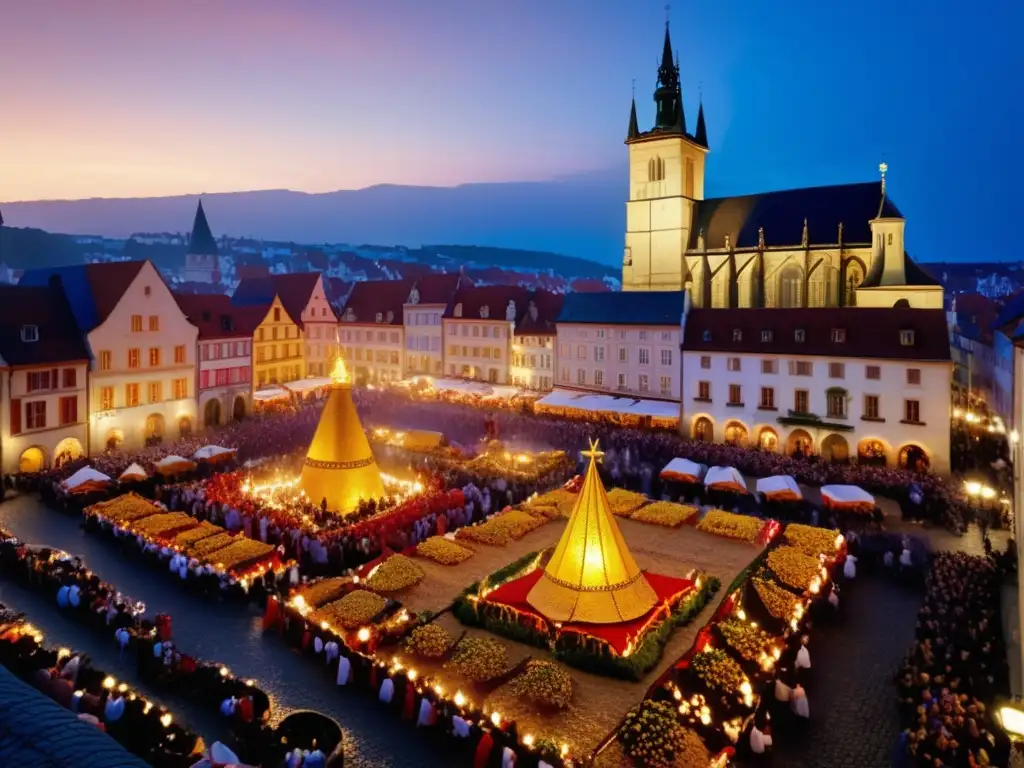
294, 290
540, 314
201, 242
875, 333
440, 288
372, 297
624, 308
217, 318
488, 302
37, 326
93, 290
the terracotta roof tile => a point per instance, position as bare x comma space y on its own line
293, 289
441, 288
217, 318
370, 297
93, 290
866, 332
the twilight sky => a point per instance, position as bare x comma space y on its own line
111, 98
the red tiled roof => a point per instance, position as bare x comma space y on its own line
217, 318
293, 289
370, 297
548, 306
109, 282
494, 297
868, 332
441, 288
46, 308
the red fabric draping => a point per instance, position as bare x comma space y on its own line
668, 589
483, 750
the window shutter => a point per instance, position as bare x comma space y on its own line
16, 416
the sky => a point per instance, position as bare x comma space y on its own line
120, 98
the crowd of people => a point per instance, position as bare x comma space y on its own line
955, 668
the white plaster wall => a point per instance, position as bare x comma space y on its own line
424, 339
459, 345
365, 341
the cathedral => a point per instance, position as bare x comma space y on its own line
834, 246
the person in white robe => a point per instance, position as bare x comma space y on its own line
833, 597
759, 741
75, 596
62, 596
113, 710
331, 651
344, 668
850, 567
800, 705
318, 645
782, 691
427, 714
508, 758
387, 690
460, 727
227, 707
803, 658
123, 638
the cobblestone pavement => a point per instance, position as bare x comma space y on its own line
854, 720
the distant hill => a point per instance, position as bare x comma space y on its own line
581, 216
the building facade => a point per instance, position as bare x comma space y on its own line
372, 331
846, 384
278, 348
303, 296
142, 374
479, 330
44, 364
223, 383
621, 343
840, 245
533, 346
423, 313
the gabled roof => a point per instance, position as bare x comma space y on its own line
93, 290
782, 215
541, 312
201, 242
624, 308
293, 289
440, 288
867, 332
371, 297
473, 299
46, 308
217, 318
912, 275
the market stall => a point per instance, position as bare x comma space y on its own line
87, 480
213, 454
174, 465
629, 411
133, 474
847, 498
779, 488
683, 471
726, 479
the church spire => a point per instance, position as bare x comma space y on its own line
633, 131
667, 95
701, 136
201, 242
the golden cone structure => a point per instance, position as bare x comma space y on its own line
592, 577
339, 465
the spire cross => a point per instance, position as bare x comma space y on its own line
594, 453
883, 168
668, 8
634, 87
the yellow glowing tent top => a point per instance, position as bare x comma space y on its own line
339, 465
592, 577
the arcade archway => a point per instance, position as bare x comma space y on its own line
32, 460
238, 409
154, 429
703, 430
67, 450
185, 426
211, 413
799, 443
736, 434
835, 448
768, 439
872, 452
914, 457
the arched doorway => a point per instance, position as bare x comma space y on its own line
67, 450
768, 440
914, 458
902, 304
703, 430
872, 452
799, 443
835, 448
32, 460
211, 413
853, 276
185, 426
238, 410
154, 429
114, 439
736, 434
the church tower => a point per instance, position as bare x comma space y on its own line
202, 261
666, 179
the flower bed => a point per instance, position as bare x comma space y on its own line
164, 525
624, 503
502, 529
355, 609
193, 536
718, 671
749, 641
780, 602
731, 526
325, 591
652, 737
206, 547
124, 509
441, 550
560, 499
431, 641
545, 684
243, 554
396, 573
813, 541
479, 659
794, 568
665, 513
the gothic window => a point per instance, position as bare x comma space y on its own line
890, 238
790, 286
688, 191
655, 169
854, 277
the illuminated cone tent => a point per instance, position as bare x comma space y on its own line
339, 465
592, 577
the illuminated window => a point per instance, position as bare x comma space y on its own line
131, 395
179, 354
154, 357
136, 323
155, 392
106, 398
133, 358
154, 323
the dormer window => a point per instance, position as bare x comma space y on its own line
838, 335
800, 335
766, 336
29, 333
907, 338
146, 290
707, 336
380, 317
737, 334
205, 315
225, 323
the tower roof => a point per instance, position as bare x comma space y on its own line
701, 136
339, 465
201, 242
592, 577
634, 129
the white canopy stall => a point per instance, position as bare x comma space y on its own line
133, 474
86, 480
725, 479
173, 465
213, 453
779, 488
683, 471
850, 498
629, 409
